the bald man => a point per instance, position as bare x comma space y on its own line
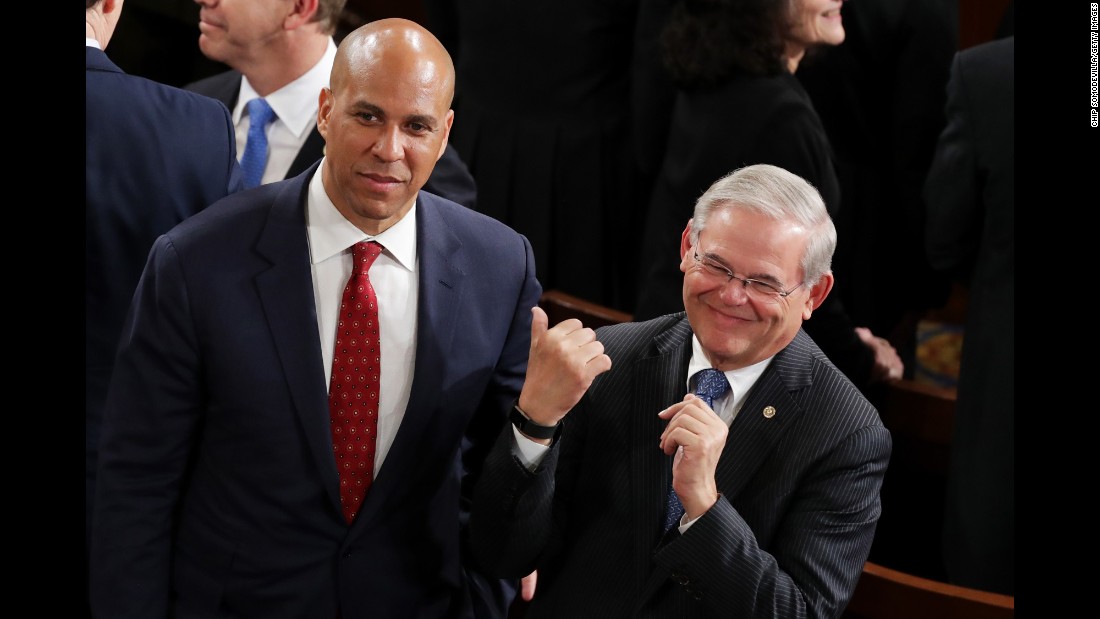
220, 494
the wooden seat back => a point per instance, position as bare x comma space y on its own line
884, 593
560, 306
921, 418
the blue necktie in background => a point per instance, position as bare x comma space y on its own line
255, 151
710, 385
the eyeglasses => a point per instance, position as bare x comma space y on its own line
756, 289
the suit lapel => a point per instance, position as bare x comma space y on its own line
286, 294
653, 392
765, 415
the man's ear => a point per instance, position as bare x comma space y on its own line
324, 111
301, 14
685, 247
818, 292
447, 122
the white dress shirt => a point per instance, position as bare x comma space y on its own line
295, 106
394, 276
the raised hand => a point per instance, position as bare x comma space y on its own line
563, 362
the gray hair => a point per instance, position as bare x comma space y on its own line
780, 195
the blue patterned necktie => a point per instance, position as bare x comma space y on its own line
710, 385
254, 160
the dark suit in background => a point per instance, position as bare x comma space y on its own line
450, 178
971, 234
880, 96
154, 156
590, 517
542, 117
238, 480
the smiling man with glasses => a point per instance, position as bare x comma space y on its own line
711, 462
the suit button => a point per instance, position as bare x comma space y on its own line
680, 578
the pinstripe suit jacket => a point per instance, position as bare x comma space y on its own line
788, 537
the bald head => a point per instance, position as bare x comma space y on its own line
385, 117
395, 45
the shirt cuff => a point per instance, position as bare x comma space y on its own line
529, 452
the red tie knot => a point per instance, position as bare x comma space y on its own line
363, 255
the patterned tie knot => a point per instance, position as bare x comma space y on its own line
259, 113
711, 385
363, 254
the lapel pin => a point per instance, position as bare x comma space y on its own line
769, 412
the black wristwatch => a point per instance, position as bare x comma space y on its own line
522, 423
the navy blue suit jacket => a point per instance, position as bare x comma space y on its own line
799, 479
219, 494
155, 155
450, 178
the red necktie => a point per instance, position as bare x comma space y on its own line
353, 389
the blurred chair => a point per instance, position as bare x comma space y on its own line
883, 593
920, 418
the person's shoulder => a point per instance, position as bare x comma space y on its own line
622, 338
994, 48
169, 99
804, 365
773, 102
463, 220
233, 215
996, 58
215, 85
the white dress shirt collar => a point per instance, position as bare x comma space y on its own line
741, 380
330, 232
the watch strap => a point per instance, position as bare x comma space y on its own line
530, 428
